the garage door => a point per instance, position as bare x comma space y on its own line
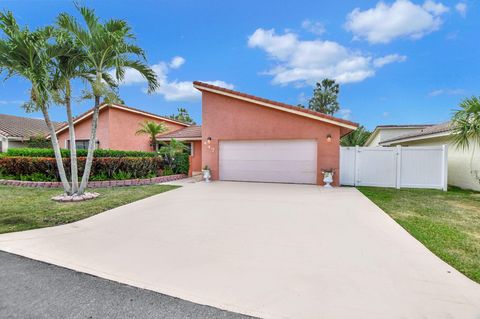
278, 161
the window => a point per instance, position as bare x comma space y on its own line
189, 148
82, 144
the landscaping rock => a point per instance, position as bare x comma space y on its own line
74, 198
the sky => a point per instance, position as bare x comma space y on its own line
397, 62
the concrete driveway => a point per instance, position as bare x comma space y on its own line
268, 250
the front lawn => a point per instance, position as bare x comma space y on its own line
447, 223
23, 208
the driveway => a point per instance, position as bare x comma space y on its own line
267, 250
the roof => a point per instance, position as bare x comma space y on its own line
23, 127
430, 131
394, 126
121, 107
188, 133
276, 105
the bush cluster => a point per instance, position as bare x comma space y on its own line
48, 152
103, 168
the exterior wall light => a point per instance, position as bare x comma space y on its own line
329, 138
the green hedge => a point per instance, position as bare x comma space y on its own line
46, 152
181, 164
103, 168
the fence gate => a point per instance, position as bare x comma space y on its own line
414, 167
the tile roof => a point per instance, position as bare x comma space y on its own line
23, 127
193, 131
435, 129
201, 85
405, 126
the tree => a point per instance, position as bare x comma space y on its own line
324, 97
182, 116
28, 54
152, 129
108, 47
466, 124
356, 138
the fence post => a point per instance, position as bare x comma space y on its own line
399, 167
355, 173
445, 167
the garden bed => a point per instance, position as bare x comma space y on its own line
97, 184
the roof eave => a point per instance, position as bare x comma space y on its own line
415, 138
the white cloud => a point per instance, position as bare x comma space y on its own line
313, 27
447, 92
345, 113
402, 18
461, 8
172, 90
306, 62
177, 62
9, 102
385, 114
391, 58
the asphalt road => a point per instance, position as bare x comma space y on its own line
33, 289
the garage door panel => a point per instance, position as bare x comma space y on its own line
282, 161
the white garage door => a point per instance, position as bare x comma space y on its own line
279, 161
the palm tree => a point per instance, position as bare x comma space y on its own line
152, 129
108, 46
466, 124
171, 149
28, 54
357, 137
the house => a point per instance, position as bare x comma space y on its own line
117, 127
16, 131
248, 138
463, 165
385, 132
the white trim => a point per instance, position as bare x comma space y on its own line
121, 108
273, 106
415, 138
180, 139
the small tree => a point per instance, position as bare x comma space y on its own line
324, 97
39, 141
182, 116
356, 138
170, 150
152, 129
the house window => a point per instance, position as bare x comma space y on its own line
82, 144
190, 148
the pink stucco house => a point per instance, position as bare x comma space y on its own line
242, 137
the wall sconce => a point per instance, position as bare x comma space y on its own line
209, 140
329, 138
210, 147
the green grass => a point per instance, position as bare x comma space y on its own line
447, 223
23, 208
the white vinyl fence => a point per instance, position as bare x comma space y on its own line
414, 167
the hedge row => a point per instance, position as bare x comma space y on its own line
103, 168
106, 168
47, 152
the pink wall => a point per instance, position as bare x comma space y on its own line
124, 124
83, 129
225, 118
116, 130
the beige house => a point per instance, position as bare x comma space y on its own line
463, 165
15, 131
386, 132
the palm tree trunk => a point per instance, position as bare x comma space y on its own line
73, 144
56, 150
91, 146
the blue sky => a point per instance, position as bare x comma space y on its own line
398, 62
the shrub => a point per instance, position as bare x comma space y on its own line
181, 164
39, 142
46, 152
103, 168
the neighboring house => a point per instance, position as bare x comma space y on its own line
385, 132
117, 127
247, 138
463, 165
15, 131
